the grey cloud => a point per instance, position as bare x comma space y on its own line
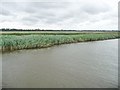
49, 5
49, 13
15, 7
5, 12
53, 20
29, 20
30, 10
95, 9
39, 7
52, 12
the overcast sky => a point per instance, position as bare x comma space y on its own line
59, 14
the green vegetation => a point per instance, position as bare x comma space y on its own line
9, 42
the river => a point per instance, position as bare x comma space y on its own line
78, 65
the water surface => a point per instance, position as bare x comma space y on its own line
79, 65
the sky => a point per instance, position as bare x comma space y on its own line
59, 14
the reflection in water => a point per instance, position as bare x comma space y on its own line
81, 65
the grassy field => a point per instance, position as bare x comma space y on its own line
46, 32
17, 41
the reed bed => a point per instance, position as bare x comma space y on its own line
17, 42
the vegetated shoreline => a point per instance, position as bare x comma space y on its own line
18, 42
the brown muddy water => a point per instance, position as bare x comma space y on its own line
79, 65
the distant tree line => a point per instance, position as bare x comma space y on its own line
7, 29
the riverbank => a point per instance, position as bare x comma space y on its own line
11, 42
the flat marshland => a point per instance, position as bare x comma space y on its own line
28, 40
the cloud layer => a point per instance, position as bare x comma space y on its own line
56, 14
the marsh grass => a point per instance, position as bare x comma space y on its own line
10, 42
